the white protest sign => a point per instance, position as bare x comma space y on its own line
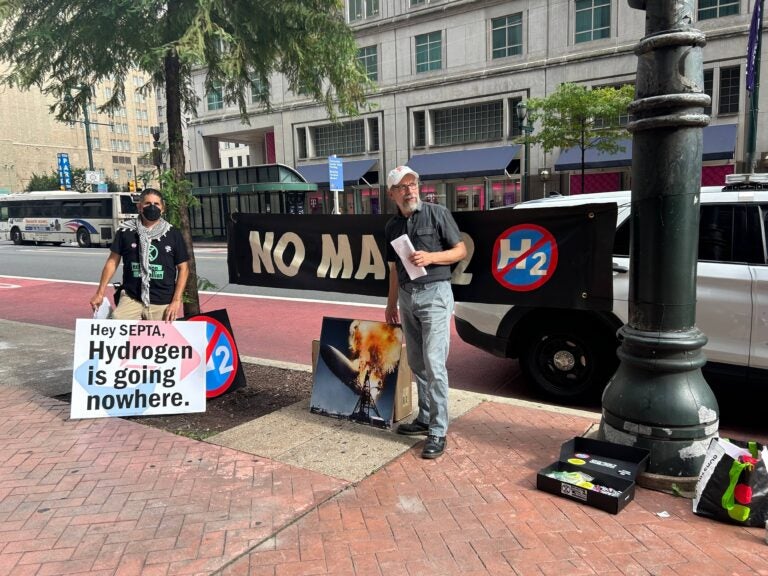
138, 368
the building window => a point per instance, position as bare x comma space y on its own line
717, 8
593, 20
373, 129
345, 138
95, 143
361, 9
708, 83
369, 60
429, 52
301, 142
514, 121
259, 91
728, 101
507, 36
473, 123
116, 173
419, 129
215, 98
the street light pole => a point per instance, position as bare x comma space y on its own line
526, 129
87, 122
658, 398
157, 154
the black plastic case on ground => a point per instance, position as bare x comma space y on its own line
611, 465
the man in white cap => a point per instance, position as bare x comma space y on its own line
426, 302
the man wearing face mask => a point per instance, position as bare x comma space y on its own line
155, 268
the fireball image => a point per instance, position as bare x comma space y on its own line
357, 370
376, 347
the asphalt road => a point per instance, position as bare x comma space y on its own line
52, 286
70, 262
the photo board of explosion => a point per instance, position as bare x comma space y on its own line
356, 373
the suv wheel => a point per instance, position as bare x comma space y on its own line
568, 359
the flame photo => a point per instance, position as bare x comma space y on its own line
356, 371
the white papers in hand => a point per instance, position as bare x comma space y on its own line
103, 311
404, 248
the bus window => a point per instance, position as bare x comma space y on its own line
128, 205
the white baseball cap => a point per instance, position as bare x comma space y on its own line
397, 174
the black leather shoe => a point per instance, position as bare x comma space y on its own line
434, 447
415, 428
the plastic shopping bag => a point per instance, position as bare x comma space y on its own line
733, 483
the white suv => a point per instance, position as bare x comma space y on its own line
572, 353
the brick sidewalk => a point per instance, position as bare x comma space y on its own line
109, 496
476, 512
116, 497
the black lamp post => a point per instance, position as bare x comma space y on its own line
87, 123
658, 398
157, 154
526, 129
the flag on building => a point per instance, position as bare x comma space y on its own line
755, 30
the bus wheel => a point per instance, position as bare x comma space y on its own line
16, 236
83, 238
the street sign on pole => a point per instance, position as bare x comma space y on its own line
65, 173
91, 177
336, 179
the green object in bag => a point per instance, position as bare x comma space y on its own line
733, 483
736, 511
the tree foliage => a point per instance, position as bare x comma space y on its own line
66, 47
50, 181
579, 116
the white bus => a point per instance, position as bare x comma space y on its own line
58, 217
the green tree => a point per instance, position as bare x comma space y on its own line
51, 182
575, 115
65, 47
43, 182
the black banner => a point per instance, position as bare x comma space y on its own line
558, 257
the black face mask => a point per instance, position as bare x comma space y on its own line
151, 212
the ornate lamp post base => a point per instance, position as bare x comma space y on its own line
659, 400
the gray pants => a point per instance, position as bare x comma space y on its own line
425, 313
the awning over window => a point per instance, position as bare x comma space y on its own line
719, 144
353, 171
465, 163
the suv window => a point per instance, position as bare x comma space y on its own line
621, 240
727, 233
730, 233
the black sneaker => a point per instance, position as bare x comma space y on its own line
415, 428
434, 447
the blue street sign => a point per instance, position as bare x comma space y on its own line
336, 173
65, 173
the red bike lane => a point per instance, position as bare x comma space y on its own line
277, 329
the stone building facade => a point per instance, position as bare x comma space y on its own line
449, 75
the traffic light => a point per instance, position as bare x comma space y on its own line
132, 185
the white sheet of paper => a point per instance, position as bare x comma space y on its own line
404, 248
103, 311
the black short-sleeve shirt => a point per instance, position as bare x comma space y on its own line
431, 228
166, 253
